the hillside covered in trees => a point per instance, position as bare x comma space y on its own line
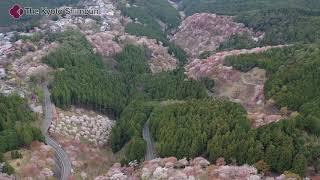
16, 123
184, 121
81, 79
284, 25
148, 11
84, 81
83, 70
117, 93
216, 129
17, 126
293, 83
283, 22
292, 70
219, 128
155, 19
191, 123
236, 7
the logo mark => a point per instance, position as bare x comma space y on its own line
16, 11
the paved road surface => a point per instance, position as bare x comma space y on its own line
151, 151
176, 6
61, 156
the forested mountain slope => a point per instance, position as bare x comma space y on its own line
154, 19
293, 73
84, 81
184, 119
216, 129
16, 123
293, 83
284, 25
17, 126
146, 11
236, 7
124, 91
282, 21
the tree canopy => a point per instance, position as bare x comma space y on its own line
282, 21
191, 124
83, 80
16, 119
236, 7
150, 14
284, 26
216, 129
125, 91
292, 73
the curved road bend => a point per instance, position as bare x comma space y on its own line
151, 151
61, 156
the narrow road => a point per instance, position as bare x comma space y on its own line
151, 151
61, 156
176, 6
246, 82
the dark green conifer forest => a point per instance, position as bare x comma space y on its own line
17, 126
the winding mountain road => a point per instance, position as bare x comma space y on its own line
151, 151
176, 6
61, 156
